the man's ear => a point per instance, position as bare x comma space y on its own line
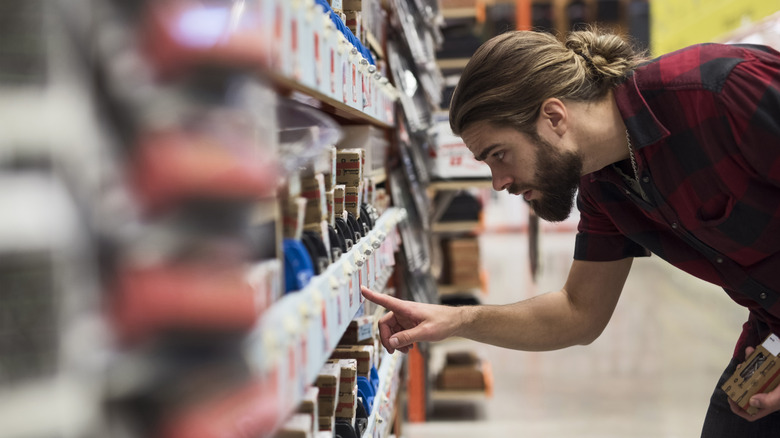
553, 116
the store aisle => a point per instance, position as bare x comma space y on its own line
650, 374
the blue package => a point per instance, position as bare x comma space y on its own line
298, 268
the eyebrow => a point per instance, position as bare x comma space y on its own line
485, 152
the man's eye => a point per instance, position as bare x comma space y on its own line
499, 156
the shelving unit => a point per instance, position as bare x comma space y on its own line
314, 318
332, 106
162, 288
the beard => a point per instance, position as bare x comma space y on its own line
558, 177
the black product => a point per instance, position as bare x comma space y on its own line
337, 244
357, 229
365, 216
460, 299
316, 249
342, 228
345, 430
361, 417
364, 224
463, 207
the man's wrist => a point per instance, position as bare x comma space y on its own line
467, 316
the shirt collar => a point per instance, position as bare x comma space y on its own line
642, 124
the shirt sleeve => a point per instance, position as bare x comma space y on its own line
750, 99
598, 239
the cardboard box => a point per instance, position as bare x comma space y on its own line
466, 278
759, 374
298, 426
373, 141
347, 407
364, 354
328, 384
327, 405
349, 167
339, 191
330, 173
360, 331
354, 22
309, 406
293, 214
450, 158
352, 200
331, 211
461, 378
328, 380
461, 262
462, 372
327, 423
313, 189
348, 380
352, 5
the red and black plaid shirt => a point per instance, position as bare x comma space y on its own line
705, 124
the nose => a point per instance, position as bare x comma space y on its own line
500, 182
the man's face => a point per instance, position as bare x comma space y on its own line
547, 177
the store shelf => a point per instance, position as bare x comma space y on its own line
459, 13
452, 63
381, 419
375, 45
203, 355
445, 290
457, 227
294, 338
316, 59
440, 395
476, 395
327, 103
460, 184
378, 176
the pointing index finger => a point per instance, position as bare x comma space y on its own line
383, 300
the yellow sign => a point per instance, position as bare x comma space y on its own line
679, 23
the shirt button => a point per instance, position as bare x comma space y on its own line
719, 259
674, 225
762, 295
646, 179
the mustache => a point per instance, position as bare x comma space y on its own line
515, 189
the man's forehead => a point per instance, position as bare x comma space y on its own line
474, 134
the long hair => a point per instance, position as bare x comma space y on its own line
509, 76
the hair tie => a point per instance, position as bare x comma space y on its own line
587, 59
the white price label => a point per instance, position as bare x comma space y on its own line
772, 345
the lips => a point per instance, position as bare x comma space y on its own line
528, 194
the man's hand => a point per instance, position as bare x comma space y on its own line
766, 403
408, 322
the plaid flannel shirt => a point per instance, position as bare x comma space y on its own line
705, 125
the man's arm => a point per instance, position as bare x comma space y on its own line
577, 314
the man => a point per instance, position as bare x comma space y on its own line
679, 156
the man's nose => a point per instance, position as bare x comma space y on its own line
500, 182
